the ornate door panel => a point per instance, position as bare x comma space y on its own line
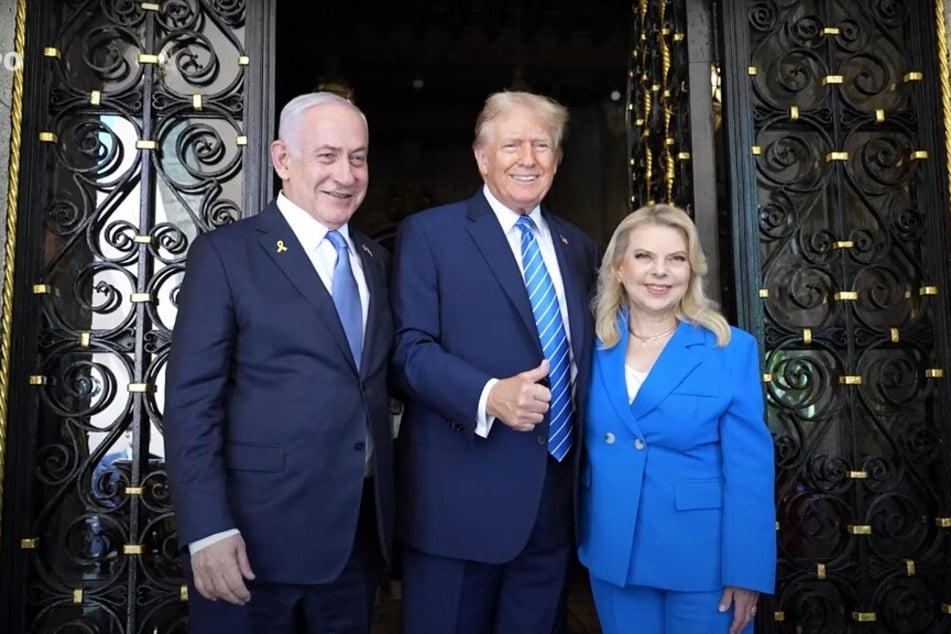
137, 137
840, 218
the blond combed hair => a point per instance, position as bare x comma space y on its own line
548, 110
695, 307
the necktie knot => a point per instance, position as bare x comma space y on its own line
525, 224
339, 242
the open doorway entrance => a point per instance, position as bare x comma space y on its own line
421, 72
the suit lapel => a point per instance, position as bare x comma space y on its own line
491, 241
680, 356
610, 364
575, 293
373, 273
281, 245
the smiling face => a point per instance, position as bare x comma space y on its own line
655, 270
323, 163
518, 158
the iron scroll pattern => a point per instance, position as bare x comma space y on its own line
141, 150
852, 326
658, 106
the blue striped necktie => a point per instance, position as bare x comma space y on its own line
346, 296
551, 332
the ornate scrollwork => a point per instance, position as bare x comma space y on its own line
143, 150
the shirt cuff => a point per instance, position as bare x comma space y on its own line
204, 542
484, 421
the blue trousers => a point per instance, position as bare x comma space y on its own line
653, 611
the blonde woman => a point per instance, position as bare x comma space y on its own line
676, 496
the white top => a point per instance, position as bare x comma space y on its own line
634, 380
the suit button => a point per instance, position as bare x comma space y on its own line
609, 438
542, 440
359, 446
639, 444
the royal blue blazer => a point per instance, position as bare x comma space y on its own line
463, 316
266, 414
677, 488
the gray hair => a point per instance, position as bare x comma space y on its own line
296, 107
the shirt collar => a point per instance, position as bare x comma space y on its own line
310, 232
507, 218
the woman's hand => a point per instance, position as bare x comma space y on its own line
744, 606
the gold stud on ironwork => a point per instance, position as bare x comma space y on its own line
241, 140
197, 101
52, 51
48, 137
843, 244
859, 529
850, 379
779, 615
146, 144
244, 60
846, 296
132, 549
138, 388
837, 156
857, 475
820, 571
147, 58
140, 298
29, 543
913, 76
934, 373
830, 30
751, 70
42, 289
794, 113
95, 97
77, 596
832, 79
37, 379
918, 155
756, 150
910, 567
879, 115
864, 617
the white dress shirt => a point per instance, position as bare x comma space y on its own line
507, 219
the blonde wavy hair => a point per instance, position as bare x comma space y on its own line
695, 307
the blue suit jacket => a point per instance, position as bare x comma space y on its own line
677, 489
463, 316
266, 415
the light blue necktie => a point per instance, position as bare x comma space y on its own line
551, 332
346, 296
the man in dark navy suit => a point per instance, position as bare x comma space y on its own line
493, 350
277, 426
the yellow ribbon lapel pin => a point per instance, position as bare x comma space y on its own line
280, 246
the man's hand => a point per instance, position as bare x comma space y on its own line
220, 570
520, 401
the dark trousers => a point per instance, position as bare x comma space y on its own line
343, 606
523, 596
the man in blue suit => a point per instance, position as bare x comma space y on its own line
493, 351
277, 427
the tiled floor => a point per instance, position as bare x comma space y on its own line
581, 615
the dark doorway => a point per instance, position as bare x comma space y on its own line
421, 71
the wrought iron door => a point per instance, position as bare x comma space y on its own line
137, 137
840, 215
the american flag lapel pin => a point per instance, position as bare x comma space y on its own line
367, 250
564, 240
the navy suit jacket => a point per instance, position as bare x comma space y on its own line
463, 316
266, 415
677, 488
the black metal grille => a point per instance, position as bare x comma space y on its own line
839, 102
140, 122
658, 106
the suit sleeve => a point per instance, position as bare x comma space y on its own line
426, 372
196, 380
749, 515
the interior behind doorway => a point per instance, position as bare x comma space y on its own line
421, 72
